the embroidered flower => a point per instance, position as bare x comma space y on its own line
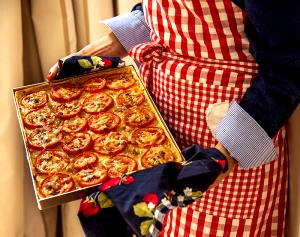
89, 208
127, 179
151, 198
170, 195
110, 183
187, 192
165, 201
116, 181
105, 62
180, 198
151, 206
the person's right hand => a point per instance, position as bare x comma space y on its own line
108, 45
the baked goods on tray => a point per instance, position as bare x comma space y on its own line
82, 131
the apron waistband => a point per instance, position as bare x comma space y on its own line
154, 52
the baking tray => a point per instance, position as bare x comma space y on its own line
79, 192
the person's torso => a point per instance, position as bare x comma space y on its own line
211, 29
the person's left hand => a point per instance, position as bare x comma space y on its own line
106, 46
231, 162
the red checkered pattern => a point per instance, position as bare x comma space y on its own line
195, 59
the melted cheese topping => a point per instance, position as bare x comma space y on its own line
44, 137
66, 92
35, 99
40, 117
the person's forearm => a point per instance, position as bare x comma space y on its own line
108, 45
131, 28
248, 127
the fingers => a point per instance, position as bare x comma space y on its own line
52, 72
55, 68
231, 165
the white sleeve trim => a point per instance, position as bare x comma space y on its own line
244, 138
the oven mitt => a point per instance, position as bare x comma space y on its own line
136, 204
77, 65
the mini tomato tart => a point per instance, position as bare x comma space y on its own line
120, 81
69, 109
119, 165
65, 92
85, 160
45, 137
74, 125
104, 122
131, 98
97, 103
110, 144
39, 118
150, 136
91, 176
56, 184
51, 161
138, 117
75, 144
94, 85
35, 100
156, 156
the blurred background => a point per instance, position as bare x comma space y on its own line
34, 34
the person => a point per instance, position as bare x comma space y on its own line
223, 74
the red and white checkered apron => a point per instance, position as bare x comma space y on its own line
199, 56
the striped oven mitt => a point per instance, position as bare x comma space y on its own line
135, 205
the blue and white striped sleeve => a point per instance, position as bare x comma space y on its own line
130, 28
244, 138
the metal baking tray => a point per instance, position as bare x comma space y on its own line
79, 192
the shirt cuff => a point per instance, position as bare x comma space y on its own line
130, 28
244, 138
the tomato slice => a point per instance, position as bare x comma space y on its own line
119, 81
35, 100
85, 160
56, 184
94, 85
69, 109
138, 117
75, 144
51, 161
65, 92
156, 156
39, 118
131, 98
103, 122
45, 137
74, 125
110, 144
97, 103
145, 137
91, 176
119, 165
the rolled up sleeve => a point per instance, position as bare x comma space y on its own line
130, 28
244, 138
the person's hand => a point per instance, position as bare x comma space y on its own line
108, 45
53, 71
230, 162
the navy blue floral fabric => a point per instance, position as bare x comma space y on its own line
78, 65
130, 202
